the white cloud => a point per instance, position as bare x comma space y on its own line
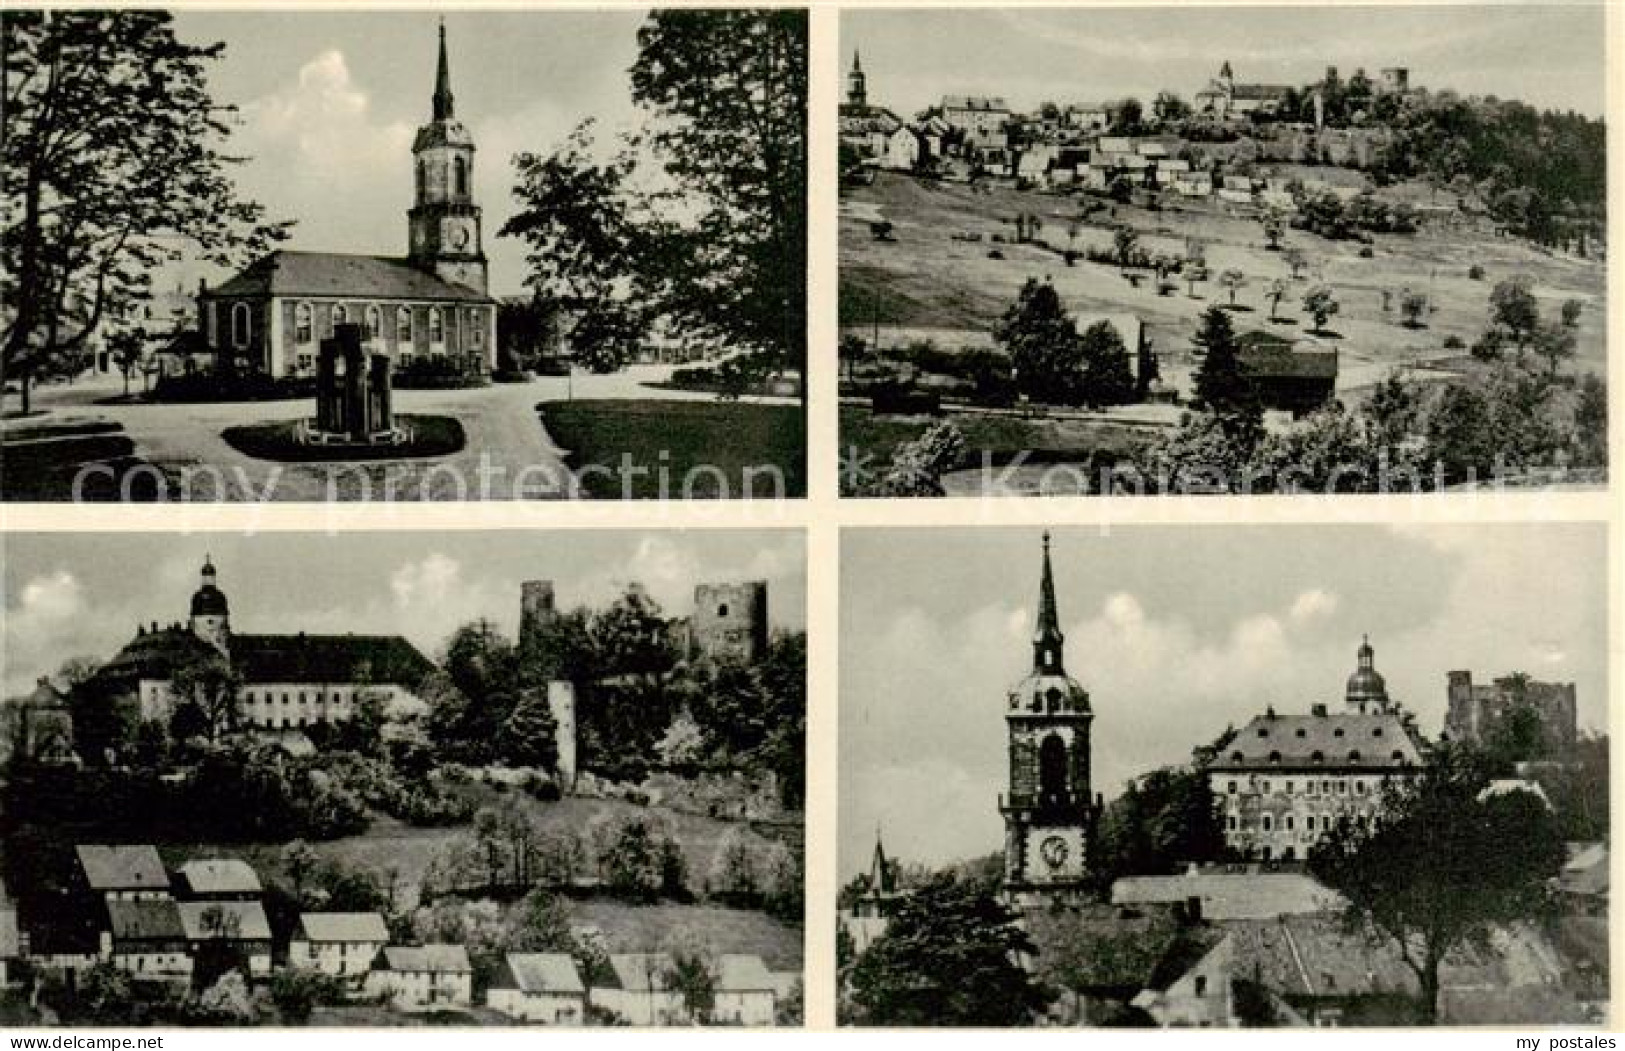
325, 157
1311, 605
45, 627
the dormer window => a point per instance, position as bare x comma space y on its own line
1275, 757
1376, 731
1237, 757
1354, 756
1302, 733
1337, 732
1317, 756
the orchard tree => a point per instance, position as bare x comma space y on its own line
1276, 293
1321, 304
1413, 306
1232, 281
1443, 865
1296, 260
1571, 312
1515, 311
115, 165
1124, 242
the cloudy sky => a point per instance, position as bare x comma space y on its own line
69, 595
1550, 55
1177, 632
330, 101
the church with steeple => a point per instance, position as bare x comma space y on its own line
431, 304
1048, 807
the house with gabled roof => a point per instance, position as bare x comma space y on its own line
238, 927
147, 940
344, 944
219, 879
423, 976
639, 990
544, 987
123, 872
745, 991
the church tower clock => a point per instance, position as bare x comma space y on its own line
1049, 814
444, 220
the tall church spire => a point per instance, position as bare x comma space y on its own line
1047, 639
443, 108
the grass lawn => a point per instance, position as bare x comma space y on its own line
431, 436
875, 438
646, 450
42, 463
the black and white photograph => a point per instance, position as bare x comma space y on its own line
306, 255
1222, 249
1221, 776
403, 779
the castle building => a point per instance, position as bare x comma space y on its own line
1049, 812
433, 303
1285, 780
287, 681
1477, 710
729, 622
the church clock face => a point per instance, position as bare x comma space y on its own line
1054, 851
459, 237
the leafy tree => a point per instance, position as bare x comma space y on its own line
1414, 307
950, 957
1320, 303
917, 466
299, 861
1591, 422
1169, 108
1107, 377
1128, 118
1571, 312
213, 686
729, 91
1163, 821
1296, 259
1554, 343
115, 163
1042, 341
1514, 311
1124, 242
692, 973
1274, 227
638, 856
1276, 293
529, 733
297, 992
1232, 281
1443, 865
541, 923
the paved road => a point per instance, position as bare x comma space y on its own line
508, 453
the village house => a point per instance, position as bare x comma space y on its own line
639, 990
1191, 987
904, 150
219, 879
540, 987
745, 991
238, 927
126, 872
974, 114
343, 944
146, 939
417, 976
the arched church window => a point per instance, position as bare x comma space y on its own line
1052, 779
403, 325
476, 330
302, 323
437, 327
459, 171
375, 323
340, 316
423, 177
241, 322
